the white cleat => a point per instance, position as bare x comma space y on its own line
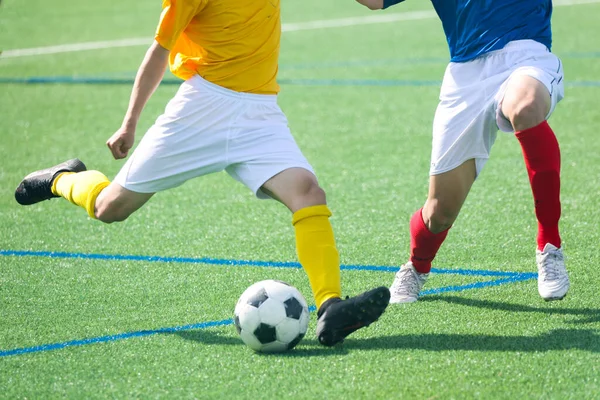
407, 284
553, 280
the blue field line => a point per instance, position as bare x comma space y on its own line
391, 62
359, 82
124, 257
284, 81
483, 272
112, 338
167, 81
204, 325
480, 285
232, 262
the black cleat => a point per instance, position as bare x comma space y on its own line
37, 186
338, 318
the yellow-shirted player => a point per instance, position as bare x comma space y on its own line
224, 116
233, 44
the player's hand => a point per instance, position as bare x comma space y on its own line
121, 142
372, 4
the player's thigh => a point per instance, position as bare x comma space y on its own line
532, 90
526, 101
115, 203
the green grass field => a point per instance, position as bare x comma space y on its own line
360, 101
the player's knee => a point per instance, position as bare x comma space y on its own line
438, 216
527, 105
308, 193
312, 193
527, 114
296, 188
440, 222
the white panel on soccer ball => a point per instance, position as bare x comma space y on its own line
249, 317
238, 307
274, 347
250, 340
272, 312
303, 322
288, 330
278, 290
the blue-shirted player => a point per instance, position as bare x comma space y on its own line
501, 75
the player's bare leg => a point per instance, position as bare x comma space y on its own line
429, 227
115, 203
526, 104
299, 190
447, 194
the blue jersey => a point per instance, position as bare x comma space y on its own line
476, 27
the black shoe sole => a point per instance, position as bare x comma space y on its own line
37, 186
344, 317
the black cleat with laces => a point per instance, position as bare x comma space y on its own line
37, 186
338, 318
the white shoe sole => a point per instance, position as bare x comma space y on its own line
402, 300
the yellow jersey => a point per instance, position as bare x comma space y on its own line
231, 43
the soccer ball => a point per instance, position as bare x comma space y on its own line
271, 316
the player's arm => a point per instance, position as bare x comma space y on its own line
378, 4
175, 17
148, 77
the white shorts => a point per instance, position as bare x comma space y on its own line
207, 128
469, 113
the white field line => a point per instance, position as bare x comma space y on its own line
287, 27
290, 27
371, 19
67, 48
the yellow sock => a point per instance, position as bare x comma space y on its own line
81, 188
315, 245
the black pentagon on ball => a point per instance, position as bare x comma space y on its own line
238, 328
265, 333
293, 308
258, 298
294, 342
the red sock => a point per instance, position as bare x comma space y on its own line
542, 159
424, 244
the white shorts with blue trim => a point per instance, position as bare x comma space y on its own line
207, 128
469, 114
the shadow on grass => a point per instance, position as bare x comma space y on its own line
588, 315
306, 348
559, 339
